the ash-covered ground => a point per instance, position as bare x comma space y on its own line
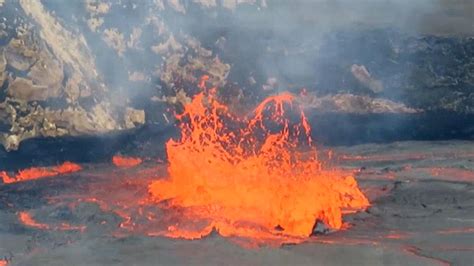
421, 194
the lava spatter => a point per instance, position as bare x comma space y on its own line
256, 177
126, 162
40, 172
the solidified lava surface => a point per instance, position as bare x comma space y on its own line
421, 194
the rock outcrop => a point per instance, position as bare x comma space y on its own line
99, 66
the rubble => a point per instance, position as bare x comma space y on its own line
134, 117
115, 40
20, 54
355, 104
3, 65
363, 76
24, 89
72, 121
68, 47
50, 71
432, 73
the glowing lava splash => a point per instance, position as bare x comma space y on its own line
40, 172
256, 177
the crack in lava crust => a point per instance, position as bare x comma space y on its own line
256, 177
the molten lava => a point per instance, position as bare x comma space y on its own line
125, 162
255, 177
26, 219
40, 172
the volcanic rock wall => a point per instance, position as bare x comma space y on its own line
98, 66
73, 69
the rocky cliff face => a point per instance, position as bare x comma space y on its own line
98, 66
71, 72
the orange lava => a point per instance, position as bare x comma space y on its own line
26, 219
256, 177
40, 172
397, 235
126, 162
3, 262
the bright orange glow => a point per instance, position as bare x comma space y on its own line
26, 219
3, 262
126, 162
6, 178
40, 172
255, 177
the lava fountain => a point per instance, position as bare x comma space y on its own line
255, 177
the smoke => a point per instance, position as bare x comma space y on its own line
264, 41
271, 45
289, 45
314, 42
289, 33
